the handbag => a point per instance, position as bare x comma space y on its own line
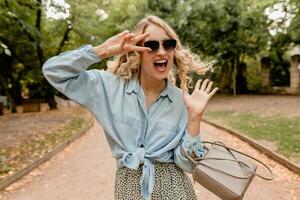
225, 171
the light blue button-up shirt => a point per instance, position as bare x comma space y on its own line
135, 135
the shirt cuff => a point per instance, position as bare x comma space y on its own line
89, 55
193, 145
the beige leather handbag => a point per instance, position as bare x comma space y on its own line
225, 171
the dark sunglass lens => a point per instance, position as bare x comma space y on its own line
169, 44
153, 45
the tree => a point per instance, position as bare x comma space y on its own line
23, 33
225, 30
283, 35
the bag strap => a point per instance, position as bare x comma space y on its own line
251, 157
237, 161
195, 161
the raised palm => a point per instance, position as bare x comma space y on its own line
197, 101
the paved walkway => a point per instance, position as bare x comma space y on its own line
85, 171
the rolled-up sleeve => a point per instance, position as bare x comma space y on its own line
193, 146
68, 73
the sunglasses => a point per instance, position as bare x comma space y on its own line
168, 45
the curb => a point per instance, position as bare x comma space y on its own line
275, 156
22, 172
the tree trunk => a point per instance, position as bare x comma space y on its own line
12, 104
224, 80
241, 79
66, 35
265, 63
50, 97
234, 65
10, 100
52, 103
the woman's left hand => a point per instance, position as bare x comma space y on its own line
197, 101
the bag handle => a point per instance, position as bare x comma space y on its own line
237, 161
251, 157
196, 161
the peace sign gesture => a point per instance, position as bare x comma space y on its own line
121, 43
197, 101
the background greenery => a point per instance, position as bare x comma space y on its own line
235, 33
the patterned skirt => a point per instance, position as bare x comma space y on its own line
171, 183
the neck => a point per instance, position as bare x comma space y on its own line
151, 86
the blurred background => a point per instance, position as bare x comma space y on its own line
255, 45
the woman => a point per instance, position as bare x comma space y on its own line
145, 117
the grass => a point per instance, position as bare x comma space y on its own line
17, 157
284, 132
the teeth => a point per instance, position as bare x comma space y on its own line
160, 61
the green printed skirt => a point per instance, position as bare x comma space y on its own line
171, 183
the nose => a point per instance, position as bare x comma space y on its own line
161, 50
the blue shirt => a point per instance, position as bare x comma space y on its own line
135, 135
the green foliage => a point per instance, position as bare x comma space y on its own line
253, 74
283, 41
294, 28
279, 73
232, 30
224, 30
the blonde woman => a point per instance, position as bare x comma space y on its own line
145, 117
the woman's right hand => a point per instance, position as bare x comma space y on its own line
121, 43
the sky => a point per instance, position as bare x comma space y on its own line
53, 12
277, 14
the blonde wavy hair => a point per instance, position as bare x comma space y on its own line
128, 64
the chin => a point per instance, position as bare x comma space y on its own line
161, 75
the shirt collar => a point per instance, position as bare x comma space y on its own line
168, 91
133, 84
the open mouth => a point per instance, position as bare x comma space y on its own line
161, 65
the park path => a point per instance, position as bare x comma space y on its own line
85, 171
